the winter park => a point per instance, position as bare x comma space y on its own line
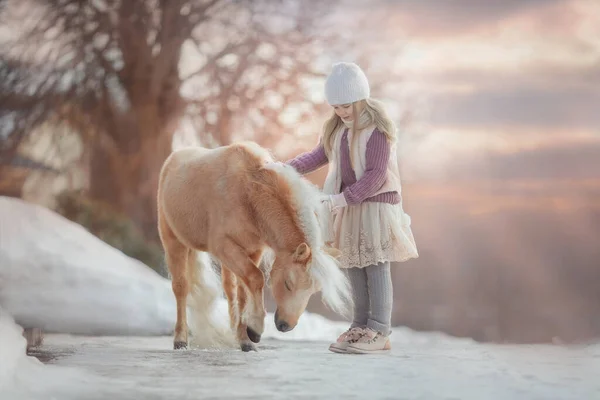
273, 199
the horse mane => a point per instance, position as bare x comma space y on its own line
302, 200
310, 214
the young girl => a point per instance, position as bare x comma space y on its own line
363, 187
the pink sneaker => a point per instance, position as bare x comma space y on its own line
342, 342
369, 342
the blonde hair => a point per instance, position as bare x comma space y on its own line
373, 113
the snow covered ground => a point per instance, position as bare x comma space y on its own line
421, 366
56, 276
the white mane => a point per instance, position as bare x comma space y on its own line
313, 217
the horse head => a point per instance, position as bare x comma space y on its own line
296, 276
306, 264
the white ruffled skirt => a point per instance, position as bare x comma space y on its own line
370, 233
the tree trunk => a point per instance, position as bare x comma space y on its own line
125, 170
128, 180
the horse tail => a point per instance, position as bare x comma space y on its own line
208, 323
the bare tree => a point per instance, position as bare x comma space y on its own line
259, 90
111, 70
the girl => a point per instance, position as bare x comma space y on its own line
364, 194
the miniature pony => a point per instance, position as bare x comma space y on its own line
235, 203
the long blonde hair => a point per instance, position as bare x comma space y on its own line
373, 112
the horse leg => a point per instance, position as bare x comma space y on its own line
242, 329
242, 295
177, 257
229, 287
236, 300
246, 271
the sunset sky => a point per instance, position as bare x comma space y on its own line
512, 76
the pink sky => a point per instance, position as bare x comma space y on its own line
502, 76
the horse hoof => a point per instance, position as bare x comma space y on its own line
246, 347
253, 336
180, 345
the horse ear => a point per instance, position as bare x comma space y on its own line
302, 253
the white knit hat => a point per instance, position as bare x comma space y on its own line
346, 84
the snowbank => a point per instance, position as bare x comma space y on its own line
12, 348
57, 276
23, 377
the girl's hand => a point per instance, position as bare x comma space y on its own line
334, 202
338, 201
326, 200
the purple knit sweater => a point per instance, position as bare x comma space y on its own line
355, 192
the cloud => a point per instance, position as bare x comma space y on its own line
539, 96
437, 17
550, 157
539, 76
518, 105
570, 161
537, 65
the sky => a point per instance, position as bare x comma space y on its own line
501, 76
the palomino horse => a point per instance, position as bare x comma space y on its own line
235, 203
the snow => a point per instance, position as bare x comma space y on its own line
57, 276
24, 377
12, 348
437, 368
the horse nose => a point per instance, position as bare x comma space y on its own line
283, 326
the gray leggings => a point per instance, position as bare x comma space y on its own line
373, 297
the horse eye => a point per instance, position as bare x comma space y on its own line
288, 286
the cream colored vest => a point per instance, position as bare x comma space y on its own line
333, 182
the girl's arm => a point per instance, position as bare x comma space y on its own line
309, 161
377, 157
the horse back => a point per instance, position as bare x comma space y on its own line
202, 191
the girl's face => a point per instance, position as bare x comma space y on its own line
344, 111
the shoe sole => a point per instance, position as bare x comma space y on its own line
337, 350
362, 351
354, 350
